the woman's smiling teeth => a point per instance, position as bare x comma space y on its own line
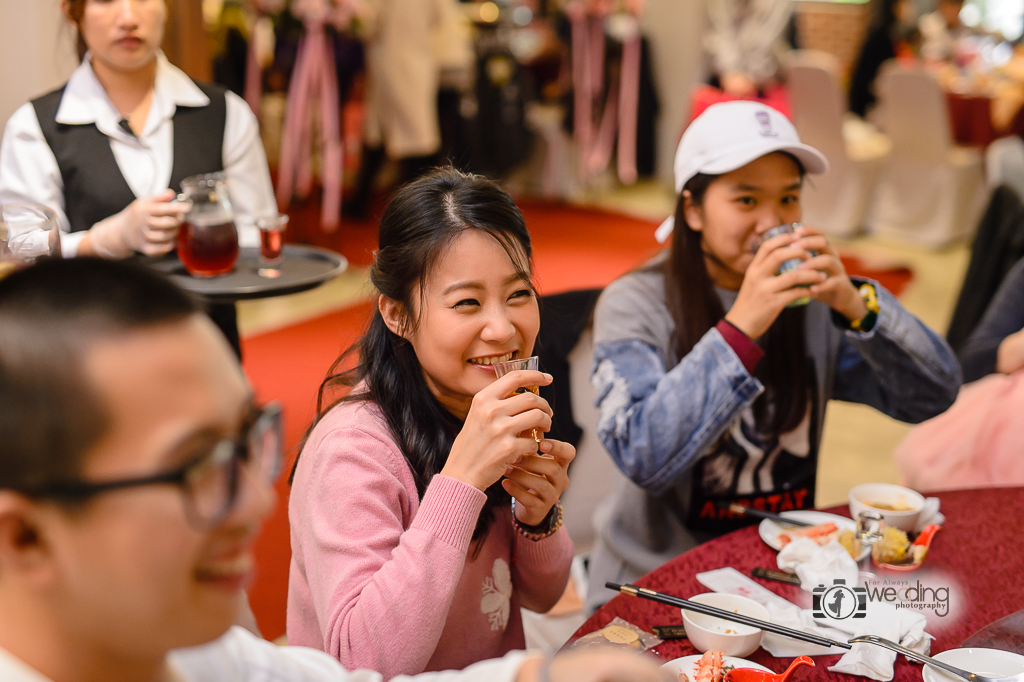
492, 359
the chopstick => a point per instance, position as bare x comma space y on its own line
679, 602
760, 514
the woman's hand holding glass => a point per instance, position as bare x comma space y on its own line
498, 431
835, 290
538, 481
763, 295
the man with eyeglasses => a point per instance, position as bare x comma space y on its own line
135, 469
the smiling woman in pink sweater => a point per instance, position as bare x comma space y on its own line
422, 515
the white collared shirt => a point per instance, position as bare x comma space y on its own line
29, 172
239, 656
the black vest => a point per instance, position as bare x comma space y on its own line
94, 188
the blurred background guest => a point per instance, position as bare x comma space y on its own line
997, 344
402, 78
747, 41
887, 36
941, 29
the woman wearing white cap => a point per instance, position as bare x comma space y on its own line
711, 378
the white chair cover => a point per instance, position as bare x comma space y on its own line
837, 201
1004, 164
931, 192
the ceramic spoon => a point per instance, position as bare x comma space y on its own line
752, 675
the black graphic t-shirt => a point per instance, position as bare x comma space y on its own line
773, 473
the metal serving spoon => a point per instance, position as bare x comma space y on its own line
933, 662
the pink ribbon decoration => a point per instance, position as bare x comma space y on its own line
313, 90
629, 103
253, 70
619, 114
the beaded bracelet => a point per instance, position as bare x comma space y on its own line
545, 529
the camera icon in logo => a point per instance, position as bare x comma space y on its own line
840, 602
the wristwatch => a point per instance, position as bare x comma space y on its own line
870, 297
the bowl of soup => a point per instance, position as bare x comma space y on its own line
900, 507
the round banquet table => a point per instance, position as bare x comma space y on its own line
970, 115
978, 554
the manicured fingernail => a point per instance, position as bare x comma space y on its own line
548, 377
545, 446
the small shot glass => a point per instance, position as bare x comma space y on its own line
870, 529
271, 244
503, 368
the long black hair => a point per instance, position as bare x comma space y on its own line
422, 220
696, 308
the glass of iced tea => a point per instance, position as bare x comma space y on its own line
207, 240
503, 368
271, 244
792, 263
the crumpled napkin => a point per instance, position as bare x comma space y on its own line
798, 619
883, 620
866, 660
818, 564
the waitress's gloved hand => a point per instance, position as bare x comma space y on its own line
148, 226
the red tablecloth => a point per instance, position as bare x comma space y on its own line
978, 554
971, 118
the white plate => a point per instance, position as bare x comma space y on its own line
688, 665
987, 662
769, 530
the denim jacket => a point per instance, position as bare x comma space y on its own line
660, 415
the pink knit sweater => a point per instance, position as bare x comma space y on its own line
383, 580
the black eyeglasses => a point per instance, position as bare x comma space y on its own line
209, 484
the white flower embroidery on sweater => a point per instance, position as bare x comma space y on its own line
497, 598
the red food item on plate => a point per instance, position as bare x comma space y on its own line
822, 534
709, 667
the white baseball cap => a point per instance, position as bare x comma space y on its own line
730, 135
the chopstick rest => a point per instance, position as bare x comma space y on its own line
778, 576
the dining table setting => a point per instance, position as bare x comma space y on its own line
864, 590
986, 100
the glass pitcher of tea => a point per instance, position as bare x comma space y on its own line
207, 240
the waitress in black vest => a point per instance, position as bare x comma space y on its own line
108, 150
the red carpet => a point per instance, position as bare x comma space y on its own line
574, 248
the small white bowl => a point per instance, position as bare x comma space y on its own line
708, 633
862, 496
